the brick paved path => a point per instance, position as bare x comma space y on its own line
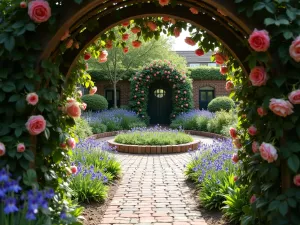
153, 191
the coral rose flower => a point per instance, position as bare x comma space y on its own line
229, 86
176, 32
71, 143
295, 49
199, 52
233, 132
39, 11
103, 54
297, 180
73, 169
69, 43
73, 109
223, 70
66, 35
125, 49
258, 76
259, 40
23, 5
136, 44
152, 26
79, 93
281, 107
235, 158
103, 60
268, 152
255, 146
109, 44
93, 90
76, 45
2, 149
36, 125
83, 106
166, 19
21, 147
252, 130
125, 37
172, 20
194, 11
294, 97
220, 58
135, 30
32, 98
252, 199
164, 2
261, 111
190, 41
237, 143
87, 56
126, 23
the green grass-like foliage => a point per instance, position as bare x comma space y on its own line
153, 136
95, 102
97, 167
206, 73
221, 103
221, 122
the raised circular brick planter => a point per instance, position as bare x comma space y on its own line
204, 134
154, 149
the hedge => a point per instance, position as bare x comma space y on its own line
98, 75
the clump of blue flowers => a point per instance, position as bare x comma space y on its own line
22, 207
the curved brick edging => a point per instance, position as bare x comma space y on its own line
204, 134
103, 135
154, 149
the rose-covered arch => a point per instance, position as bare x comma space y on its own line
38, 96
182, 96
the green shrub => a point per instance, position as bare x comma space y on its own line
201, 123
98, 127
95, 102
222, 121
82, 129
98, 75
206, 73
221, 103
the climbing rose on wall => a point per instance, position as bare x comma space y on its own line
36, 125
103, 54
223, 70
268, 152
20, 147
73, 109
109, 44
235, 158
136, 44
297, 180
194, 11
252, 130
199, 52
261, 111
258, 76
125, 49
294, 97
73, 169
233, 132
126, 23
66, 35
255, 146
87, 56
23, 5
177, 32
229, 86
281, 107
93, 90
259, 40
135, 30
69, 43
190, 41
39, 11
71, 143
237, 143
295, 49
125, 37
164, 2
32, 98
252, 199
220, 58
152, 26
2, 149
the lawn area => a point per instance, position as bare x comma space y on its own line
153, 136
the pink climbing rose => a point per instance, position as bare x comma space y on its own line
83, 106
281, 107
66, 35
177, 32
125, 37
237, 143
73, 169
136, 44
259, 40
103, 54
36, 125
164, 2
233, 132
294, 97
21, 147
126, 23
220, 58
2, 149
199, 52
93, 90
39, 11
261, 111
152, 26
135, 30
258, 76
252, 130
79, 93
73, 109
109, 44
190, 41
235, 158
252, 199
223, 70
69, 43
295, 49
23, 5
125, 50
235, 178
71, 143
297, 180
103, 60
255, 146
229, 86
87, 56
268, 152
32, 98
194, 11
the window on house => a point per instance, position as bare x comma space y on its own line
109, 95
206, 94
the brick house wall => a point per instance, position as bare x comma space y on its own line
124, 87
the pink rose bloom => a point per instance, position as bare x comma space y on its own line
237, 143
87, 56
199, 52
281, 107
71, 143
103, 54
23, 5
102, 60
252, 199
295, 49
233, 132
136, 44
229, 86
164, 2
255, 146
261, 111
194, 11
73, 109
39, 11
252, 130
86, 66
109, 44
32, 98
235, 178
76, 45
69, 43
297, 180
190, 41
258, 76
135, 30
126, 23
223, 70
152, 26
73, 169
176, 32
66, 35
83, 106
36, 125
125, 37
268, 152
259, 40
20, 147
235, 158
294, 97
2, 149
125, 50
172, 20
166, 19
93, 90
79, 93
220, 58
63, 145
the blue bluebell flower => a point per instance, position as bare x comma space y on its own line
10, 205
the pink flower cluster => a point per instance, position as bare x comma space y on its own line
39, 11
103, 56
268, 152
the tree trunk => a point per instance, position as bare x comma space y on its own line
115, 95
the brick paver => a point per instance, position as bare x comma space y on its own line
153, 192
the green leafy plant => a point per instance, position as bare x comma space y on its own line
82, 129
95, 102
221, 103
206, 73
98, 127
221, 122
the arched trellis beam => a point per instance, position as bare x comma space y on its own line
204, 21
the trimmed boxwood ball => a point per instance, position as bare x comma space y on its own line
95, 102
221, 103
